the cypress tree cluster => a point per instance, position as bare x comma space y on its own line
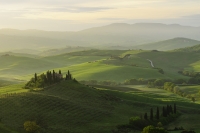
169, 110
47, 79
166, 111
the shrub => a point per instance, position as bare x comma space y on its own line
137, 122
152, 129
31, 127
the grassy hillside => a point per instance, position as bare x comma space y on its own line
21, 68
172, 61
67, 107
14, 88
72, 107
14, 67
154, 96
115, 65
101, 71
170, 44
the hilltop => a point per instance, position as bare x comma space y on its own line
170, 44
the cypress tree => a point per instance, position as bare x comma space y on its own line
174, 108
151, 114
54, 76
157, 114
68, 73
145, 116
35, 77
60, 72
171, 110
66, 77
47, 76
45, 79
50, 77
167, 110
71, 77
163, 111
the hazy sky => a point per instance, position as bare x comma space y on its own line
67, 15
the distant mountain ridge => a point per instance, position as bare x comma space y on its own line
118, 34
170, 44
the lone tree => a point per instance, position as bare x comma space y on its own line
60, 72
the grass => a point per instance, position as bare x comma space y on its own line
72, 107
151, 97
95, 64
4, 129
22, 68
6, 82
16, 88
193, 91
65, 107
101, 71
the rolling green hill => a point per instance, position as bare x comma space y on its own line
72, 107
65, 107
170, 44
22, 68
100, 65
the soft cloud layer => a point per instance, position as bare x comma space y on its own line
80, 14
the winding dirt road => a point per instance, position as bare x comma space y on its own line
151, 62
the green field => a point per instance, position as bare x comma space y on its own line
73, 107
97, 64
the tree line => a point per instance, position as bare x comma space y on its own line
152, 123
166, 111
